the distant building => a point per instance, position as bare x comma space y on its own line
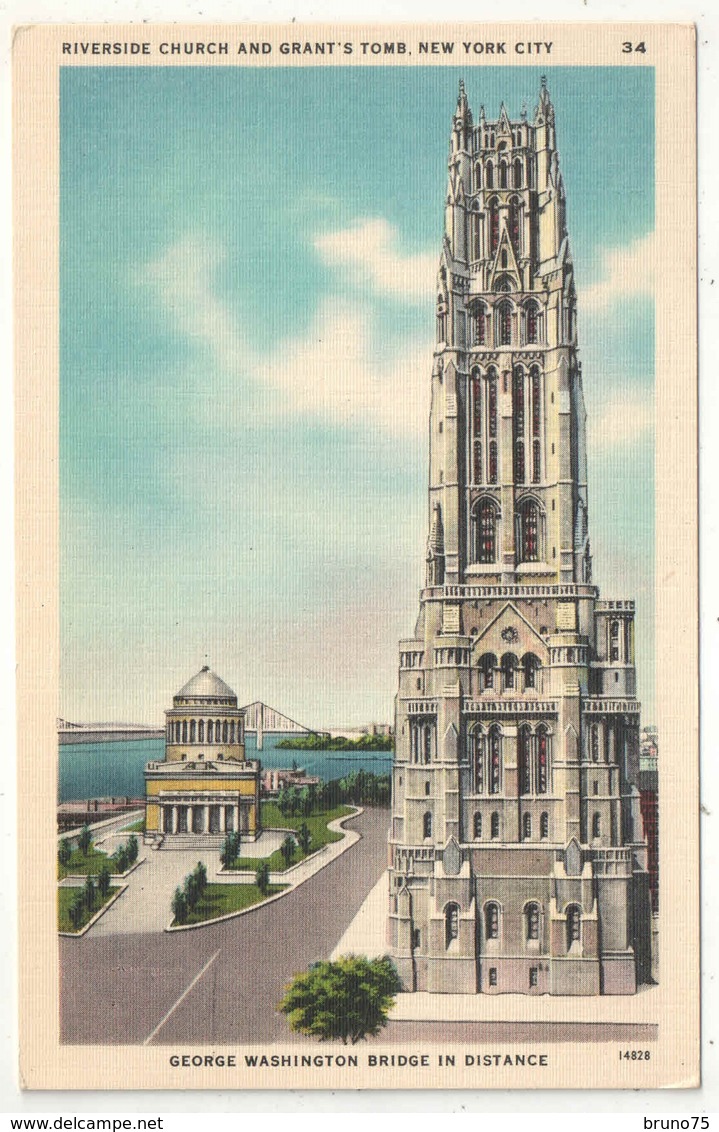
205, 787
275, 781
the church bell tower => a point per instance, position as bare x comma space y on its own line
518, 862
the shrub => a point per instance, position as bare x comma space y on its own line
103, 881
262, 877
77, 911
304, 837
287, 849
88, 894
64, 852
179, 906
84, 841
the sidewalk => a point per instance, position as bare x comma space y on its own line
366, 935
145, 904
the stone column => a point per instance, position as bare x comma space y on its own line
222, 817
206, 818
173, 828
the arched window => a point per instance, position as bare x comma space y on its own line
495, 760
475, 224
485, 531
487, 665
184, 731
531, 921
492, 423
451, 923
479, 755
518, 419
517, 174
489, 171
503, 174
529, 531
532, 322
544, 826
523, 755
526, 826
493, 222
201, 731
614, 640
509, 671
178, 732
574, 924
542, 760
479, 325
596, 826
477, 827
218, 731
491, 920
478, 176
530, 669
515, 225
232, 731
504, 324
594, 742
210, 731
427, 825
428, 743
494, 826
477, 469
193, 731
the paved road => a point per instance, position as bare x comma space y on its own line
129, 988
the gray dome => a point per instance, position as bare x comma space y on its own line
206, 685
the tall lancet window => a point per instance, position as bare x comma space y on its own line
485, 532
504, 324
518, 417
476, 427
529, 531
478, 176
489, 170
514, 225
475, 221
492, 424
493, 224
542, 760
495, 760
532, 323
536, 424
517, 173
479, 325
523, 752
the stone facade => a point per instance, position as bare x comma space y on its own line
518, 862
205, 787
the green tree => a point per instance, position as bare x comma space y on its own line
88, 894
103, 881
120, 860
179, 906
77, 911
345, 1000
64, 852
287, 849
304, 837
84, 840
133, 849
262, 877
228, 852
200, 877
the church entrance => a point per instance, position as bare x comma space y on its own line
198, 819
182, 819
229, 818
214, 819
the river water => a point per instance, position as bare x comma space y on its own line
104, 770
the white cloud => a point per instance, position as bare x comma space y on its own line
370, 250
624, 419
333, 371
628, 272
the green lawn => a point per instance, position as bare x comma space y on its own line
136, 827
81, 865
220, 899
273, 818
66, 896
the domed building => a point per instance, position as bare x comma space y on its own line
205, 787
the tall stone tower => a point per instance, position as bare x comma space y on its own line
518, 862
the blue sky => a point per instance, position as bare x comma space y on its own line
247, 272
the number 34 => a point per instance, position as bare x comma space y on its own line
627, 48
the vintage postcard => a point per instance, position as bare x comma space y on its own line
356, 551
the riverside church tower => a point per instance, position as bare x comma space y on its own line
518, 860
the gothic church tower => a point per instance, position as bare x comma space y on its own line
518, 862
